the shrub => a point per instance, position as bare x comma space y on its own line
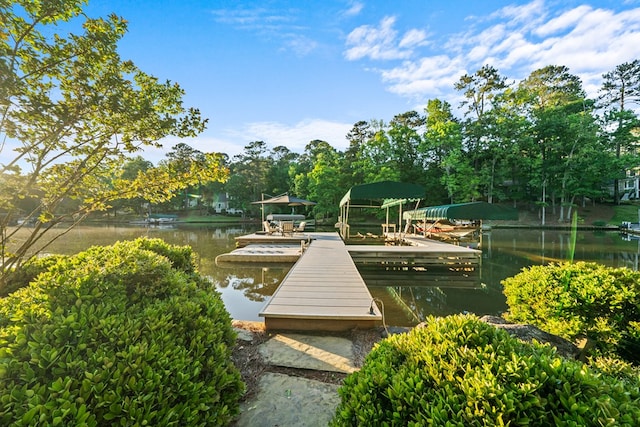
23, 276
117, 336
461, 371
581, 299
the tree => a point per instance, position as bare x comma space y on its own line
74, 110
130, 171
359, 135
405, 137
249, 175
482, 90
620, 90
181, 156
323, 179
278, 177
441, 146
563, 126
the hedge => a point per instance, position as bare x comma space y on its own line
580, 300
460, 371
121, 335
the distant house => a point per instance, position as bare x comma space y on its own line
220, 204
629, 186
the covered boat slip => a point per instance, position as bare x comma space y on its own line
462, 211
377, 195
322, 291
455, 221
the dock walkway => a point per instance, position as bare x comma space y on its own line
322, 291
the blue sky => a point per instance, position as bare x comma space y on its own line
287, 72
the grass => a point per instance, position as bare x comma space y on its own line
625, 213
193, 217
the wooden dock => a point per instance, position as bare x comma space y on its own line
273, 239
422, 253
322, 291
263, 253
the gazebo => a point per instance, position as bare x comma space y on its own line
383, 194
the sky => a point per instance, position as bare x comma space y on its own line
288, 72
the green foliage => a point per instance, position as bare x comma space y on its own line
119, 335
76, 111
581, 299
461, 371
29, 271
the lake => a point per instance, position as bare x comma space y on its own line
407, 297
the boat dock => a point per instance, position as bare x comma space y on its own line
322, 291
325, 291
421, 252
264, 253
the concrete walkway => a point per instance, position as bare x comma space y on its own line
293, 401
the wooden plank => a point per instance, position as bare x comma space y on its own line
323, 285
321, 313
318, 301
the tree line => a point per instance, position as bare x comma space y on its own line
539, 141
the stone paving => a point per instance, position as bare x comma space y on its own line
293, 401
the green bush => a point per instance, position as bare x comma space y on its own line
118, 336
580, 299
29, 271
460, 371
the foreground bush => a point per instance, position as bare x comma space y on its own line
119, 335
461, 371
29, 270
581, 299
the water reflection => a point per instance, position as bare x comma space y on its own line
408, 296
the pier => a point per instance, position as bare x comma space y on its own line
322, 291
325, 291
422, 253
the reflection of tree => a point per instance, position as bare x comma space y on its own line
255, 284
420, 301
413, 304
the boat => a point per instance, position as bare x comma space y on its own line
161, 218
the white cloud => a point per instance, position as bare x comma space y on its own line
431, 76
300, 45
564, 21
296, 136
515, 39
527, 14
382, 43
281, 25
354, 8
413, 38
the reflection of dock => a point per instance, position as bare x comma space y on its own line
441, 279
323, 291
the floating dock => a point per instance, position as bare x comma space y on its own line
323, 291
422, 253
274, 238
264, 253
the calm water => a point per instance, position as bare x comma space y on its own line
407, 297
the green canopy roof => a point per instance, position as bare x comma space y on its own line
471, 211
374, 194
